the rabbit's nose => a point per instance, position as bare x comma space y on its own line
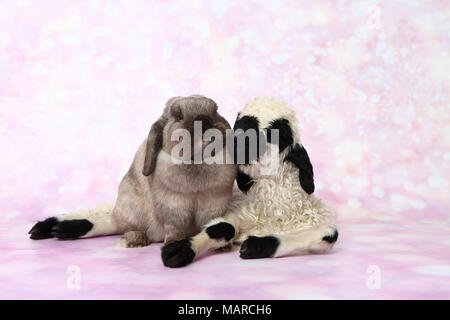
205, 122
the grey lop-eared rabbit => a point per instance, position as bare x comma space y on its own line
159, 199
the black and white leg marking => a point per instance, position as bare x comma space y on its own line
63, 230
43, 229
221, 230
180, 253
332, 236
317, 239
71, 229
259, 247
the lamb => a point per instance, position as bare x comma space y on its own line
274, 212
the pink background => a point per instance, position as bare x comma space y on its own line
82, 81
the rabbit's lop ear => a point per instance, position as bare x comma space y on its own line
155, 139
154, 145
299, 157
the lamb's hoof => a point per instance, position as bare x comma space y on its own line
259, 247
71, 229
177, 254
332, 235
43, 229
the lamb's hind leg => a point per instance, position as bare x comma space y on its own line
316, 239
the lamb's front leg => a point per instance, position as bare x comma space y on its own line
216, 234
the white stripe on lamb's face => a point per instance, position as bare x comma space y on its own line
252, 142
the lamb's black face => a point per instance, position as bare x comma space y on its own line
247, 140
250, 143
285, 138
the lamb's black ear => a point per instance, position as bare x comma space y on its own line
299, 157
244, 181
